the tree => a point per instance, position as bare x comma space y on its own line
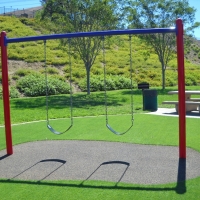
161, 14
81, 16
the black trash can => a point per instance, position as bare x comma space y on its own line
150, 100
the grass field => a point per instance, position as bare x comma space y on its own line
147, 129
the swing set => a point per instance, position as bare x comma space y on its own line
178, 30
70, 80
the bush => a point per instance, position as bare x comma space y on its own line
170, 81
190, 78
34, 85
1, 92
112, 83
15, 77
23, 72
27, 21
14, 93
51, 70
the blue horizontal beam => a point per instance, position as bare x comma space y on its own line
92, 34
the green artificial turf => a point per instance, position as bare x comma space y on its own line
147, 129
74, 190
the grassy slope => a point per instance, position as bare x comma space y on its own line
146, 68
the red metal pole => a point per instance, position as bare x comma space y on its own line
181, 89
6, 100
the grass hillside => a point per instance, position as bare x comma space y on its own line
28, 57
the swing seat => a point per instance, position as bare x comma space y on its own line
56, 132
118, 133
131, 88
47, 106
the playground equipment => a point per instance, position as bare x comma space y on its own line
47, 94
178, 30
131, 89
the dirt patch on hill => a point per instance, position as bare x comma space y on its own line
14, 65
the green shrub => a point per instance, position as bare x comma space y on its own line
170, 82
34, 85
66, 69
190, 78
50, 70
1, 92
78, 73
59, 77
23, 72
14, 93
15, 77
27, 21
112, 83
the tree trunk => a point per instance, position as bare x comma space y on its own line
163, 76
88, 80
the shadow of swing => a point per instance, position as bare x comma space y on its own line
110, 163
43, 161
179, 189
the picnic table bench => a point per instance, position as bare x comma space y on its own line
192, 104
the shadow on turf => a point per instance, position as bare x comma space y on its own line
60, 101
179, 189
43, 161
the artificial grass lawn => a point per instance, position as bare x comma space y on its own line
147, 129
74, 190
118, 102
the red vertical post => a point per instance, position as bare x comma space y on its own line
181, 89
6, 100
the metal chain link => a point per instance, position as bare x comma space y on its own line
131, 76
105, 89
47, 88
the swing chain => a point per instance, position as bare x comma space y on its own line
131, 87
46, 80
104, 69
131, 75
47, 90
70, 79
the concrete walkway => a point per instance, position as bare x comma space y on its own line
172, 112
95, 160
